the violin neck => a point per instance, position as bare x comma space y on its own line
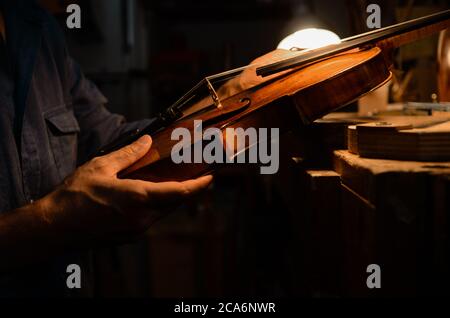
414, 35
389, 37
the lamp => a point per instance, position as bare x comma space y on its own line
311, 38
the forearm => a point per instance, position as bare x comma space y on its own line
26, 236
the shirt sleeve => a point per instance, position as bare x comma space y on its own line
97, 125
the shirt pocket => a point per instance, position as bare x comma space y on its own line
63, 130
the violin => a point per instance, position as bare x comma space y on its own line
295, 88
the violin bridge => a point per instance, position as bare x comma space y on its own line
214, 95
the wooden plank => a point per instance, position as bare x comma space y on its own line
323, 223
424, 138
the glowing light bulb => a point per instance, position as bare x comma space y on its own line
311, 38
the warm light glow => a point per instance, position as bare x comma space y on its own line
309, 39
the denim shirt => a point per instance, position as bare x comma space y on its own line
63, 122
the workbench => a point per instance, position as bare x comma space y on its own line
349, 212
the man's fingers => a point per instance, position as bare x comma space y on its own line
198, 184
184, 188
164, 193
126, 156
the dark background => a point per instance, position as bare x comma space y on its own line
240, 238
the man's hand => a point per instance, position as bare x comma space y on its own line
91, 207
94, 204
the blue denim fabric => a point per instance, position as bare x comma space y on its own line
64, 121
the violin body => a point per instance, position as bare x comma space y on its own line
286, 102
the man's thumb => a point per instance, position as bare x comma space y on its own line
126, 156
